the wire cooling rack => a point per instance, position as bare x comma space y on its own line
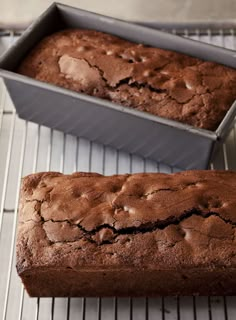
26, 147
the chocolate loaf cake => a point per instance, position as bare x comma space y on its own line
143, 234
164, 83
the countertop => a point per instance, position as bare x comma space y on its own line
18, 14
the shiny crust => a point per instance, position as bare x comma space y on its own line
161, 82
148, 221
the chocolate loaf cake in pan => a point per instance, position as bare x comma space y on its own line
144, 234
161, 82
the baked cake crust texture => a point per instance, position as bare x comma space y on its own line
161, 82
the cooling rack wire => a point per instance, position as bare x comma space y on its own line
26, 147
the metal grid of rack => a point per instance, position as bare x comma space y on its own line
26, 147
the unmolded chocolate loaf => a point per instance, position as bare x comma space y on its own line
164, 83
143, 234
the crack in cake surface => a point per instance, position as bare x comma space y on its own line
144, 228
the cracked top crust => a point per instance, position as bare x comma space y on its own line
161, 82
166, 221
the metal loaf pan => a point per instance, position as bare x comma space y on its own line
99, 120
